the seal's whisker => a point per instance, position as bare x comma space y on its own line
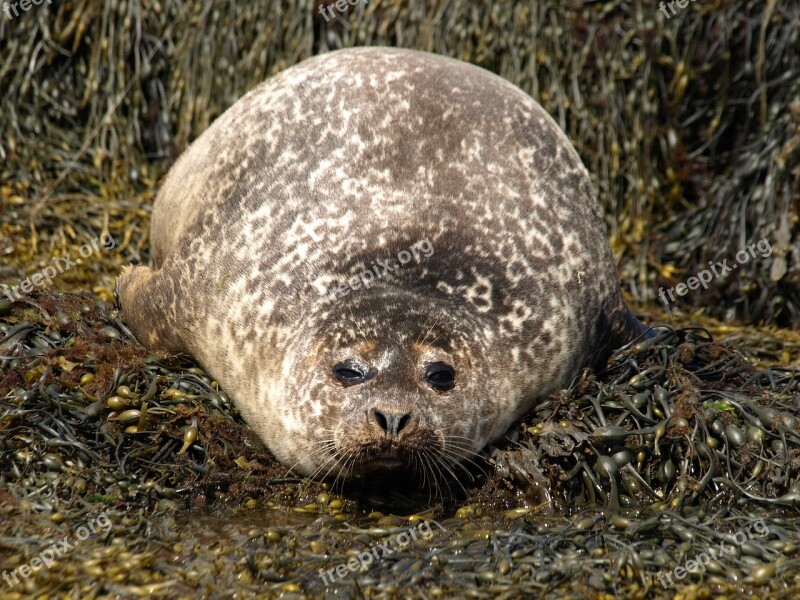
436, 461
434, 480
465, 445
443, 432
456, 461
419, 469
323, 447
452, 436
461, 443
346, 463
441, 460
462, 462
460, 450
314, 475
427, 481
425, 337
346, 470
319, 450
334, 462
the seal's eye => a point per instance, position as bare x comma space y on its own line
440, 376
352, 371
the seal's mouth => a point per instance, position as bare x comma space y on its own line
384, 462
384, 457
404, 454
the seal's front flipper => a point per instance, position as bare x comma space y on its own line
148, 308
636, 329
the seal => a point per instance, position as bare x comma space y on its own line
385, 257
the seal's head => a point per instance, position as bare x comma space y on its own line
389, 381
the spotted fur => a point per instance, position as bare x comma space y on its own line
340, 161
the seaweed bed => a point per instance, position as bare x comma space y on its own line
130, 475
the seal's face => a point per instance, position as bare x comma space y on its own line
395, 388
386, 409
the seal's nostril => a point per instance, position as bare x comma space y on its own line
391, 423
403, 421
381, 419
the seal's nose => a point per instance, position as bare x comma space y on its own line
391, 422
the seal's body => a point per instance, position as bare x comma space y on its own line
490, 284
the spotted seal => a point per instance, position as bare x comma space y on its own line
266, 227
